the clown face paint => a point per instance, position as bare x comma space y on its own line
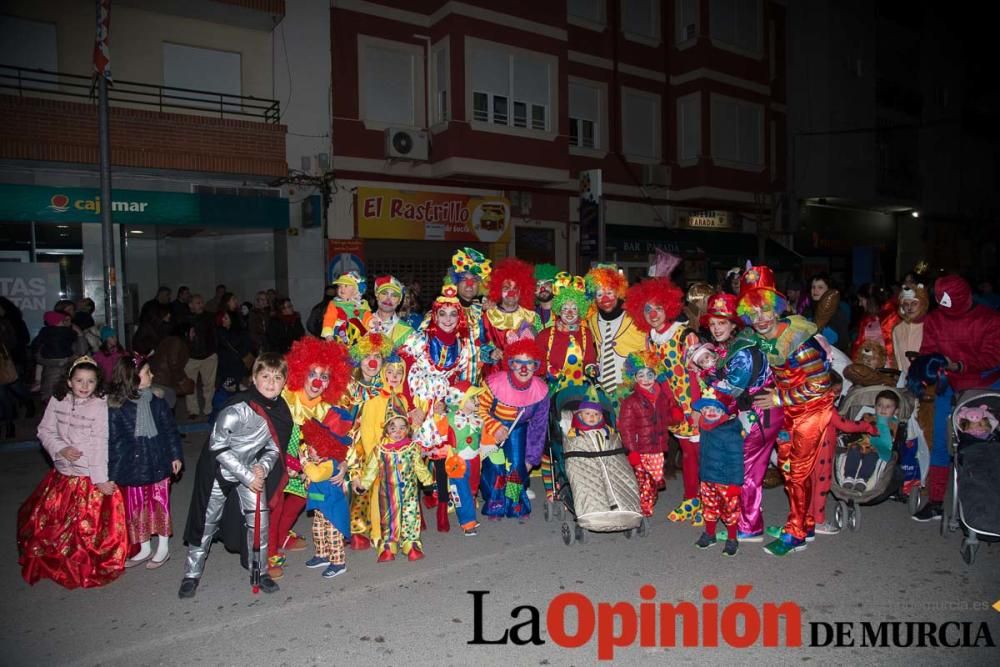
721, 329
346, 292
645, 378
509, 295
394, 374
317, 381
569, 314
656, 317
388, 301
468, 288
765, 322
522, 367
543, 291
371, 364
446, 318
396, 429
606, 299
711, 414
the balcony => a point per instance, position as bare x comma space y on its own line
52, 116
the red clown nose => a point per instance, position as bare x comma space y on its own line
317, 383
372, 363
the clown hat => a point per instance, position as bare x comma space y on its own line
351, 278
546, 272
383, 283
723, 306
758, 278
708, 402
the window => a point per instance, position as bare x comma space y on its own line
737, 132
442, 79
687, 20
584, 115
510, 88
688, 128
202, 69
641, 125
28, 44
591, 11
641, 19
736, 24
391, 82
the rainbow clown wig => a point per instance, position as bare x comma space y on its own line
659, 291
760, 299
370, 343
308, 353
521, 274
567, 288
636, 361
605, 276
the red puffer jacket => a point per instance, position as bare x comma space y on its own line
643, 426
966, 334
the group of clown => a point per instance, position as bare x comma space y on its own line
458, 409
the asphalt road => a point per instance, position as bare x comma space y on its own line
401, 613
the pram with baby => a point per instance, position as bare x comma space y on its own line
972, 498
592, 478
886, 479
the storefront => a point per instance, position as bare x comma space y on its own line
162, 238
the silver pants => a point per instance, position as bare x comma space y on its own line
194, 565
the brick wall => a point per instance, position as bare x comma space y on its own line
64, 131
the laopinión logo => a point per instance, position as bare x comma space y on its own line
737, 624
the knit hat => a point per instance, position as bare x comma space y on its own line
108, 332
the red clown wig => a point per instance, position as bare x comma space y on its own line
308, 353
660, 291
521, 274
524, 346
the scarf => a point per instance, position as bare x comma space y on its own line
614, 314
145, 425
651, 395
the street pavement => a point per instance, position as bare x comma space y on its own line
402, 613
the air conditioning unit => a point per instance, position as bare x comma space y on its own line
656, 175
405, 144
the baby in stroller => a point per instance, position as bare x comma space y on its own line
976, 424
865, 460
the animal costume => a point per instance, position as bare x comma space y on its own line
878, 328
802, 376
502, 327
524, 411
615, 333
670, 343
908, 334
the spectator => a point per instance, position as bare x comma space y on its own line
152, 329
257, 321
65, 306
284, 328
231, 306
17, 339
234, 352
162, 298
168, 362
203, 360
55, 346
108, 354
272, 299
986, 296
879, 319
215, 301
180, 308
314, 324
831, 315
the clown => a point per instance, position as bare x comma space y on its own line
545, 276
742, 374
615, 334
654, 305
512, 291
318, 374
389, 294
347, 307
515, 412
368, 427
803, 388
468, 273
368, 354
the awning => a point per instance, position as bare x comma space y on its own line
36, 203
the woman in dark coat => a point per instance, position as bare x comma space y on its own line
233, 348
284, 328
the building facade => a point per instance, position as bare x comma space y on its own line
444, 108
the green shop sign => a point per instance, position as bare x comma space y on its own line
35, 203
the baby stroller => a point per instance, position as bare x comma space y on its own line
888, 478
972, 499
592, 478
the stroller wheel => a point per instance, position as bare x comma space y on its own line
969, 550
840, 515
567, 534
547, 511
628, 533
854, 518
581, 535
643, 528
913, 502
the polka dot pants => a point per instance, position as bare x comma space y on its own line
720, 501
649, 474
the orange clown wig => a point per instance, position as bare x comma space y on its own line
659, 291
521, 274
605, 276
308, 353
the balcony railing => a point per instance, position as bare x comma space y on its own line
25, 82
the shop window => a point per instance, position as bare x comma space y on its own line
207, 70
510, 88
641, 126
641, 20
737, 132
536, 245
688, 128
391, 82
736, 24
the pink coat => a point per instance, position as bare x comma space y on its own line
82, 424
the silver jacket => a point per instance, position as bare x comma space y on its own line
236, 439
